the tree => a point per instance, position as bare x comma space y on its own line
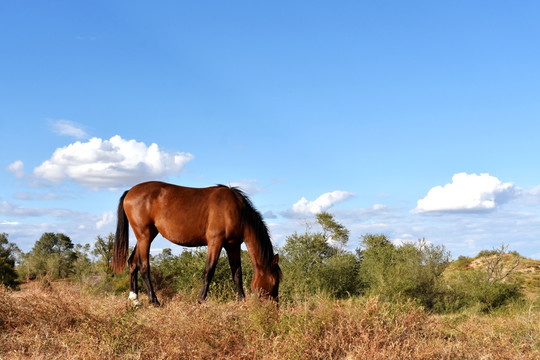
377, 257
496, 270
334, 233
8, 275
53, 255
317, 261
104, 250
83, 267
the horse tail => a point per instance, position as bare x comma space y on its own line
121, 240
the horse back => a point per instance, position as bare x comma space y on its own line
183, 215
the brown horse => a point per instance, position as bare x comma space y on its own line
217, 217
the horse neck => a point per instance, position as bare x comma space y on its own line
260, 264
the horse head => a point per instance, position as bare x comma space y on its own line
266, 283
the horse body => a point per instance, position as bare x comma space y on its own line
154, 204
217, 217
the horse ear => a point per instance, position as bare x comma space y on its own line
275, 260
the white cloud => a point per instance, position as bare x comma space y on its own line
403, 239
322, 203
467, 192
69, 128
249, 186
17, 168
9, 223
29, 196
10, 209
269, 215
530, 196
78, 225
379, 207
106, 218
110, 163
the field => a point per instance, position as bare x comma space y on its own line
65, 321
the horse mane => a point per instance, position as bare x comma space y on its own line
253, 218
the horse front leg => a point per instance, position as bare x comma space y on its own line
212, 257
235, 261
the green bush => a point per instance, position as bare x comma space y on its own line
462, 262
407, 271
184, 273
469, 290
339, 275
301, 261
315, 262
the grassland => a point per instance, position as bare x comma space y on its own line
66, 321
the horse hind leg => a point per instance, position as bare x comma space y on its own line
133, 283
144, 239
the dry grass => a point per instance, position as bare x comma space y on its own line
61, 321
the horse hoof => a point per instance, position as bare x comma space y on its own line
134, 299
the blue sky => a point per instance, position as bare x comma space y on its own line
413, 119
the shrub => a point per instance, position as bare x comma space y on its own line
408, 271
184, 273
462, 262
339, 275
315, 262
471, 290
302, 258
